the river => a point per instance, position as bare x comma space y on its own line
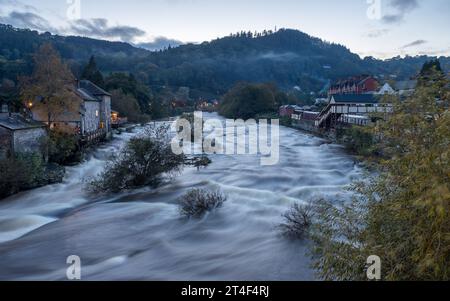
139, 235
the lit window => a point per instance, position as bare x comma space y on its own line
96, 113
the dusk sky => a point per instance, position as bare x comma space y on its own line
381, 28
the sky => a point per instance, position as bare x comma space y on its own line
379, 28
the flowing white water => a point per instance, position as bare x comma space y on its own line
139, 235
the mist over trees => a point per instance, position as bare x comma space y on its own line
286, 57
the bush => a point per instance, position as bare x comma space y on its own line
142, 162
297, 221
21, 172
247, 100
197, 202
63, 148
359, 141
127, 106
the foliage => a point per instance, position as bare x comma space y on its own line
50, 88
63, 148
92, 73
23, 171
402, 216
9, 94
247, 100
198, 202
130, 86
144, 161
339, 241
127, 106
359, 140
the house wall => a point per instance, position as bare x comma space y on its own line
371, 85
29, 140
92, 117
106, 112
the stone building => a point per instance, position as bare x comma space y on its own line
92, 116
20, 135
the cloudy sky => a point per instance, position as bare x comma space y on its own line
381, 28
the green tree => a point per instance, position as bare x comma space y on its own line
129, 85
127, 106
144, 161
247, 100
92, 73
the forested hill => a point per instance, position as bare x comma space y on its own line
287, 57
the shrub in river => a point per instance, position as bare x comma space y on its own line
142, 162
297, 221
197, 202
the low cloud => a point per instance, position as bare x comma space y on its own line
287, 56
26, 20
159, 43
100, 28
413, 44
400, 9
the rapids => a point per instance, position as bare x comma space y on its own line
139, 235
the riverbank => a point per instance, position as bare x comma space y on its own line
25, 172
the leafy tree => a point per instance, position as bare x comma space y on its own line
144, 161
247, 100
402, 216
50, 89
9, 93
127, 106
92, 73
129, 85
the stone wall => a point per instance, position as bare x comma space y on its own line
91, 116
29, 140
305, 125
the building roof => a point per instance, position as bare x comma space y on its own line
85, 95
17, 122
92, 89
355, 98
355, 80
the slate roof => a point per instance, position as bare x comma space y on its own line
355, 98
85, 95
17, 122
92, 89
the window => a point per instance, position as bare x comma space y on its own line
96, 113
